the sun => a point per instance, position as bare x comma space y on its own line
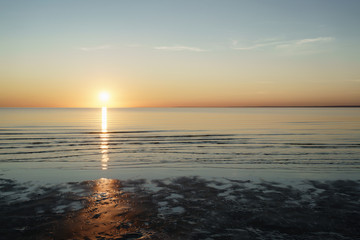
104, 96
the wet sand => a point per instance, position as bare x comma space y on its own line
180, 208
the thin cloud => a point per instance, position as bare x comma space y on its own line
259, 44
96, 48
314, 40
285, 44
306, 46
180, 48
249, 47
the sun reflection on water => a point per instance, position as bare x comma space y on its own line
104, 120
104, 140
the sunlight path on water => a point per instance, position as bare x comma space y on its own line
104, 138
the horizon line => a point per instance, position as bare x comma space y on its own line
285, 106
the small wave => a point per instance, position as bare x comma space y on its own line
117, 132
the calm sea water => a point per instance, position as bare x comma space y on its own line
79, 144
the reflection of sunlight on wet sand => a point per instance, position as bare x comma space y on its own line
110, 213
182, 208
104, 140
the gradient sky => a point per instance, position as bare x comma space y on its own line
179, 53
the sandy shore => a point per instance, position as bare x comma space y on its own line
180, 208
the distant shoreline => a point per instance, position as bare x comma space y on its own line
342, 106
335, 106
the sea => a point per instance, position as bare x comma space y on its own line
76, 144
180, 173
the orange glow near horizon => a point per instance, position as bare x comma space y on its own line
186, 94
208, 96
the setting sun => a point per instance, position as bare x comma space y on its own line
104, 96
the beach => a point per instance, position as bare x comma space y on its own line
181, 208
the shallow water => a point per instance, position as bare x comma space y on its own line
80, 144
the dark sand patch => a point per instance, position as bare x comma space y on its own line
180, 208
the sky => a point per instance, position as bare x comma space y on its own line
157, 53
